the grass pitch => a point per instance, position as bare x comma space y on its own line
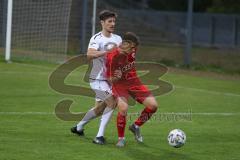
29, 129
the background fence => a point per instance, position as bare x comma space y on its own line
154, 27
3, 18
39, 28
164, 32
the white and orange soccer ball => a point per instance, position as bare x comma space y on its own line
176, 138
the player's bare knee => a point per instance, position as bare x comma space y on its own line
154, 108
122, 105
111, 102
98, 111
99, 108
151, 103
154, 105
123, 108
114, 105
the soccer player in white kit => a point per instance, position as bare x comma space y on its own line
99, 45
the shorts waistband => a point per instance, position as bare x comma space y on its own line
97, 79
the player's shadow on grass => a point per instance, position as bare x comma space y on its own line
84, 139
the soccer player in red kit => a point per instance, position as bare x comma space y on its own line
121, 72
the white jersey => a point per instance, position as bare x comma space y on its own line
102, 43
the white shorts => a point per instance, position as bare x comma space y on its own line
101, 88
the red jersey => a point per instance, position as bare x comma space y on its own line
129, 84
123, 62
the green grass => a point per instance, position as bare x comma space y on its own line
25, 134
221, 60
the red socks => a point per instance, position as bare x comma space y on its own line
121, 123
145, 116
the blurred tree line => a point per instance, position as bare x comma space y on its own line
212, 6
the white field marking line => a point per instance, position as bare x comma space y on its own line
14, 72
33, 113
137, 113
215, 114
44, 67
36, 66
209, 91
41, 73
27, 113
195, 113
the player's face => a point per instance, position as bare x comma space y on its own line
109, 24
127, 47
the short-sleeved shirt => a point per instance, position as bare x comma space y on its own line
123, 62
129, 84
102, 43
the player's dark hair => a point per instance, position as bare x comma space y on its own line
130, 36
105, 14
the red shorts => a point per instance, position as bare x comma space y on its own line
135, 89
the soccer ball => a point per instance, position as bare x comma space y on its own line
176, 138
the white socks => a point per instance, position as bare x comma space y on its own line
88, 116
107, 114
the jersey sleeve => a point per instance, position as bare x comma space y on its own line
119, 40
108, 65
93, 43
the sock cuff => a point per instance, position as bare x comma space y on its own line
121, 115
150, 110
